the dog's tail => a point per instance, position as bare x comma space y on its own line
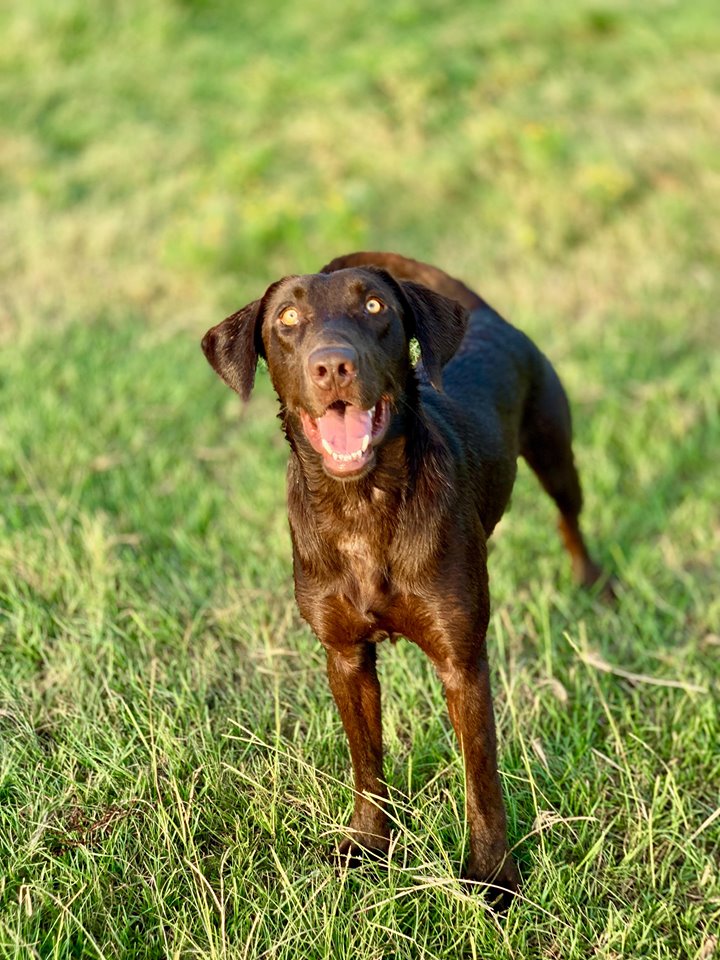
404, 268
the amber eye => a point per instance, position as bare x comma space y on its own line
373, 305
289, 316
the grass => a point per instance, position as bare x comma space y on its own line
172, 768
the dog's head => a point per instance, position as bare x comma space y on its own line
337, 348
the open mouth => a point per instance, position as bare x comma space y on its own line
345, 435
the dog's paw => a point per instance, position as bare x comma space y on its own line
357, 851
499, 886
596, 580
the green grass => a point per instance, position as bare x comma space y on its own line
172, 768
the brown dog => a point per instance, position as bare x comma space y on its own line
397, 477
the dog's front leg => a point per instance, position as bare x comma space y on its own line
467, 690
355, 686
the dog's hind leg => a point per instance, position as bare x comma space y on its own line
546, 444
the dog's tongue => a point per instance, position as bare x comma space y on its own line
345, 429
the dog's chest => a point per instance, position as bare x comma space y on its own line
362, 568
362, 547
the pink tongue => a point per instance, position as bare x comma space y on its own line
345, 429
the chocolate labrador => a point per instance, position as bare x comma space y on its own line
397, 477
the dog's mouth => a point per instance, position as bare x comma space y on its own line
345, 435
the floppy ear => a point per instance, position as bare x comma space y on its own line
233, 346
437, 322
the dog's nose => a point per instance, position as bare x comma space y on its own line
333, 366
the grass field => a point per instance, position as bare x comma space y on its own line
172, 769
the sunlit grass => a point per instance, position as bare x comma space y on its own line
173, 772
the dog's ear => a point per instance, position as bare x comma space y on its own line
233, 346
437, 323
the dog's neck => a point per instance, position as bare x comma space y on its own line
391, 518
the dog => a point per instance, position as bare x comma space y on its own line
398, 474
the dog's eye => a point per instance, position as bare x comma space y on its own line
289, 316
373, 305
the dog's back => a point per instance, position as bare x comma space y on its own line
405, 268
501, 398
496, 365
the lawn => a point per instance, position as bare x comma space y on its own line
173, 774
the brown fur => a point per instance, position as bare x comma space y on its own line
400, 548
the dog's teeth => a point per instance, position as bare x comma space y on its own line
344, 457
365, 443
371, 411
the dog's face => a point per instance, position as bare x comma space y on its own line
337, 351
337, 348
